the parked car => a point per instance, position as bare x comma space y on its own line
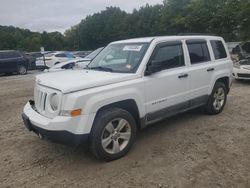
75, 63
72, 64
52, 59
13, 61
242, 51
241, 70
129, 85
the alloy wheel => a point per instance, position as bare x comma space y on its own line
116, 135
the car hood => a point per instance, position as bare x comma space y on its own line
75, 80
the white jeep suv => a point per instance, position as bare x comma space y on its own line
129, 85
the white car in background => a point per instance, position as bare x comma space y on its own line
72, 64
52, 59
75, 63
241, 70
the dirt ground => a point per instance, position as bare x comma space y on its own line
188, 150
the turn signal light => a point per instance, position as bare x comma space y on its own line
77, 112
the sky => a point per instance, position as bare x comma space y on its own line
58, 15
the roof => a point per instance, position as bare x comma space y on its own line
159, 38
8, 50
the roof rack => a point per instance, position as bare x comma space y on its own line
187, 34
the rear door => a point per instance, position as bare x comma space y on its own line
167, 90
201, 70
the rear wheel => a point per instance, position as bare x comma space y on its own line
22, 70
113, 134
217, 99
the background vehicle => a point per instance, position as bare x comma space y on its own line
241, 70
51, 59
72, 64
76, 63
84, 61
81, 54
13, 61
130, 84
242, 50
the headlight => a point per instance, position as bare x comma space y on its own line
54, 101
237, 65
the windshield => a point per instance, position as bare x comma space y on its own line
94, 53
120, 57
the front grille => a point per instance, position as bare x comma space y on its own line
40, 100
244, 75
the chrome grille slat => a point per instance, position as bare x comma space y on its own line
40, 100
44, 100
41, 96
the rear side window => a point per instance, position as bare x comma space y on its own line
218, 49
198, 51
169, 55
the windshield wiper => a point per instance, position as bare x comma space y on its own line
101, 68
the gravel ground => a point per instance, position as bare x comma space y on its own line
188, 150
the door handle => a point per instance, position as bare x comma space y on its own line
183, 76
210, 69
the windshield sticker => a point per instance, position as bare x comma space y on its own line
136, 48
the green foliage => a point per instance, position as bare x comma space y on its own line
23, 39
227, 18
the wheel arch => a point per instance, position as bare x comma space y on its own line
224, 80
129, 105
223, 77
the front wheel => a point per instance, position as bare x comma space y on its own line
22, 70
217, 99
113, 134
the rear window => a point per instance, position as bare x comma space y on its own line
218, 49
198, 51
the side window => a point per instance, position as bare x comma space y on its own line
7, 55
15, 55
61, 55
198, 51
169, 56
218, 49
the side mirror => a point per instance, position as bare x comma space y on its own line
153, 67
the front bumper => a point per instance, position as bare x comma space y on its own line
64, 137
240, 73
65, 130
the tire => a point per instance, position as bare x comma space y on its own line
217, 99
106, 141
22, 70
